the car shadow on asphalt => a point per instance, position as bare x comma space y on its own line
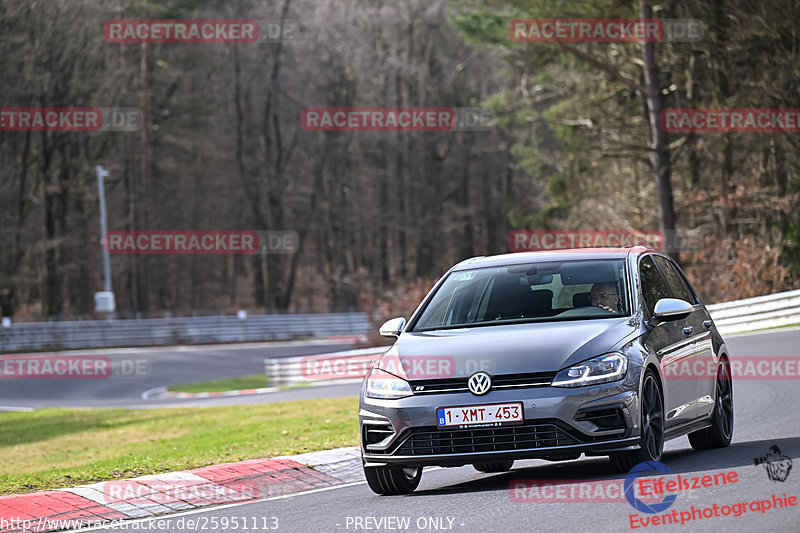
682, 461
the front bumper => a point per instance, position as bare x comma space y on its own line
559, 423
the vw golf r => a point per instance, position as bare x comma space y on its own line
576, 348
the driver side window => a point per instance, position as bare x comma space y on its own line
653, 286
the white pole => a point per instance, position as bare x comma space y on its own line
102, 173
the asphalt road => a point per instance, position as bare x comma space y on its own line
462, 500
137, 370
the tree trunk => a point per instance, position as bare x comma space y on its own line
142, 213
659, 147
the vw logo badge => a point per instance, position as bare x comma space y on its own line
479, 383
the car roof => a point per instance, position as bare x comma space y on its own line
570, 254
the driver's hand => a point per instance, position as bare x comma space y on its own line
606, 308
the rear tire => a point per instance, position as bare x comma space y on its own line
651, 443
720, 433
392, 480
494, 466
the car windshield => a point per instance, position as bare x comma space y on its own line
532, 292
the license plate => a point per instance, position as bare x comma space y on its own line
476, 415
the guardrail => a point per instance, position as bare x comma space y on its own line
341, 367
349, 367
730, 317
773, 310
182, 330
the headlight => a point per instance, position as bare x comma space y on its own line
609, 367
381, 384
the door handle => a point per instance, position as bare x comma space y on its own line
707, 324
688, 330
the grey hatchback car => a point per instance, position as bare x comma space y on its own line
546, 355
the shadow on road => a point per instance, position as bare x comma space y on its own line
684, 461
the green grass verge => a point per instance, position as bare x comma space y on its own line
56, 448
254, 381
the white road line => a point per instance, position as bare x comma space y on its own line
150, 392
14, 408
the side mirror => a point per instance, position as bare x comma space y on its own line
671, 309
392, 328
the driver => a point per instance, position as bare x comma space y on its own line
605, 295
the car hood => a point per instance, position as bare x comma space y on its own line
508, 349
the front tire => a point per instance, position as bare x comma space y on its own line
392, 480
720, 433
651, 442
494, 466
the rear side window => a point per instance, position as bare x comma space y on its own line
692, 292
653, 286
674, 280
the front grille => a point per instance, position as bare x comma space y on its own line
504, 381
433, 441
